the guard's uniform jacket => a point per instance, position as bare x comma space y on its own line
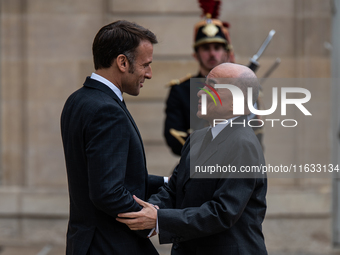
177, 126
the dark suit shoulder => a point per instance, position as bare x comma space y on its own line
85, 104
90, 99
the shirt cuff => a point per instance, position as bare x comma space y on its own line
166, 179
156, 228
149, 235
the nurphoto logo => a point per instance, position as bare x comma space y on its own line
238, 103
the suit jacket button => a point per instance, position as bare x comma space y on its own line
175, 246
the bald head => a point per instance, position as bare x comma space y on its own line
241, 76
230, 70
234, 74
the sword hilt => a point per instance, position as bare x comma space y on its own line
254, 65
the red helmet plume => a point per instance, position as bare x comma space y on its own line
211, 7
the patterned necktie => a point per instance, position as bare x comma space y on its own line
207, 139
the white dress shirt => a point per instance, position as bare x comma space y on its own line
219, 127
113, 87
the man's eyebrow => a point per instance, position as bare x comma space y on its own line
211, 81
146, 63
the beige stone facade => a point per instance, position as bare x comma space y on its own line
45, 52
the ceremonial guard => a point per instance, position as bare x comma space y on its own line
212, 47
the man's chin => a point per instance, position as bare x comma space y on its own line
199, 115
135, 93
211, 65
132, 92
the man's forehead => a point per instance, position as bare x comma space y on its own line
144, 52
213, 44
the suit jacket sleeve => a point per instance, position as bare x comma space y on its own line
107, 149
155, 182
166, 196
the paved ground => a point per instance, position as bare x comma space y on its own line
58, 250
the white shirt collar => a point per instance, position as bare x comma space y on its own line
219, 127
101, 79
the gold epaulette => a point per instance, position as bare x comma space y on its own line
179, 81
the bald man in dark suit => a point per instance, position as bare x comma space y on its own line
218, 213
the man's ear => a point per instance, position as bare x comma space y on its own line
122, 63
246, 109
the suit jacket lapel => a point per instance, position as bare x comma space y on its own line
98, 85
211, 149
196, 141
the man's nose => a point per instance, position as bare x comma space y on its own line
148, 74
199, 93
212, 51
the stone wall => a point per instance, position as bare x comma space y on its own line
46, 54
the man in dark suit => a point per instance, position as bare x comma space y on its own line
204, 212
103, 148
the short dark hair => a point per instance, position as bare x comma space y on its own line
119, 37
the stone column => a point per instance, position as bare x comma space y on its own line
13, 91
44, 45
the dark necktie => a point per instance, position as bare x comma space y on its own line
207, 139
